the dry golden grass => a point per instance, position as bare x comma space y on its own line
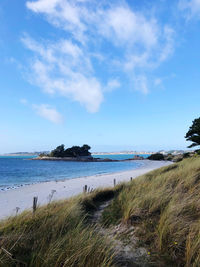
165, 206
56, 235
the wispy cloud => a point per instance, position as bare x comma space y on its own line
74, 79
64, 14
44, 110
112, 85
123, 26
190, 7
71, 67
48, 112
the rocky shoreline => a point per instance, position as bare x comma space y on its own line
84, 159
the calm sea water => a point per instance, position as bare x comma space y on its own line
19, 171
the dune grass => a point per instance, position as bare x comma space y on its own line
56, 235
164, 206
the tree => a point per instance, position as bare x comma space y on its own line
74, 151
193, 133
58, 152
85, 150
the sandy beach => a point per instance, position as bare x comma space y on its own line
23, 197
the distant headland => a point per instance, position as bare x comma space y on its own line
82, 154
125, 152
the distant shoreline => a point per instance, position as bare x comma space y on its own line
93, 153
87, 159
122, 153
175, 152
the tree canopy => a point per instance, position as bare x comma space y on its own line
74, 151
157, 156
193, 133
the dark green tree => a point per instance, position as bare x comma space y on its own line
58, 152
85, 150
74, 151
193, 133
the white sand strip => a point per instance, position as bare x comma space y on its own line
23, 197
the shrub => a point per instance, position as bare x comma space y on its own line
157, 156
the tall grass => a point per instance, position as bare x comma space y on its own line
165, 207
56, 235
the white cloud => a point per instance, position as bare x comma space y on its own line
74, 80
67, 67
121, 25
168, 48
38, 48
48, 112
43, 6
112, 85
191, 7
62, 13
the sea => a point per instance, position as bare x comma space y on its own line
18, 171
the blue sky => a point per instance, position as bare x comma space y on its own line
118, 75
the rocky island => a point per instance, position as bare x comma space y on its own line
76, 153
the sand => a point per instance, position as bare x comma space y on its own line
23, 197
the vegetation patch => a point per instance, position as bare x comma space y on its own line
56, 235
112, 214
164, 208
156, 156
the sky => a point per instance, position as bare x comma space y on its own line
117, 75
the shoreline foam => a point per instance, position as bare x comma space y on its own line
22, 197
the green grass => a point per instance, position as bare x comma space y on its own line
56, 235
164, 205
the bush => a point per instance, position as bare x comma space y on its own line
186, 155
157, 156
